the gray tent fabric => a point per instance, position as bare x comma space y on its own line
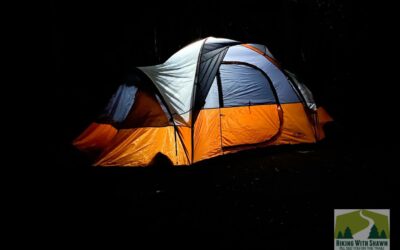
304, 91
175, 79
212, 53
243, 85
119, 105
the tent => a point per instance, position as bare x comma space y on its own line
213, 97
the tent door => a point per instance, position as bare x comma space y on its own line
248, 109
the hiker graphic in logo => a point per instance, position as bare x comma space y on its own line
362, 229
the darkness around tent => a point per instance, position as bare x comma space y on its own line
253, 199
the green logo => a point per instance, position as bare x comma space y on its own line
362, 229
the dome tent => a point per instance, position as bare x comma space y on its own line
213, 97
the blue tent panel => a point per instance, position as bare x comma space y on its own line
283, 88
243, 85
212, 100
119, 105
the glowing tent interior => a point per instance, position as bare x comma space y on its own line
213, 97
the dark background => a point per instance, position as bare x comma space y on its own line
277, 198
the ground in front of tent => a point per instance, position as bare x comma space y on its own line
276, 197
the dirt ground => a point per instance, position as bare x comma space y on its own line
273, 198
